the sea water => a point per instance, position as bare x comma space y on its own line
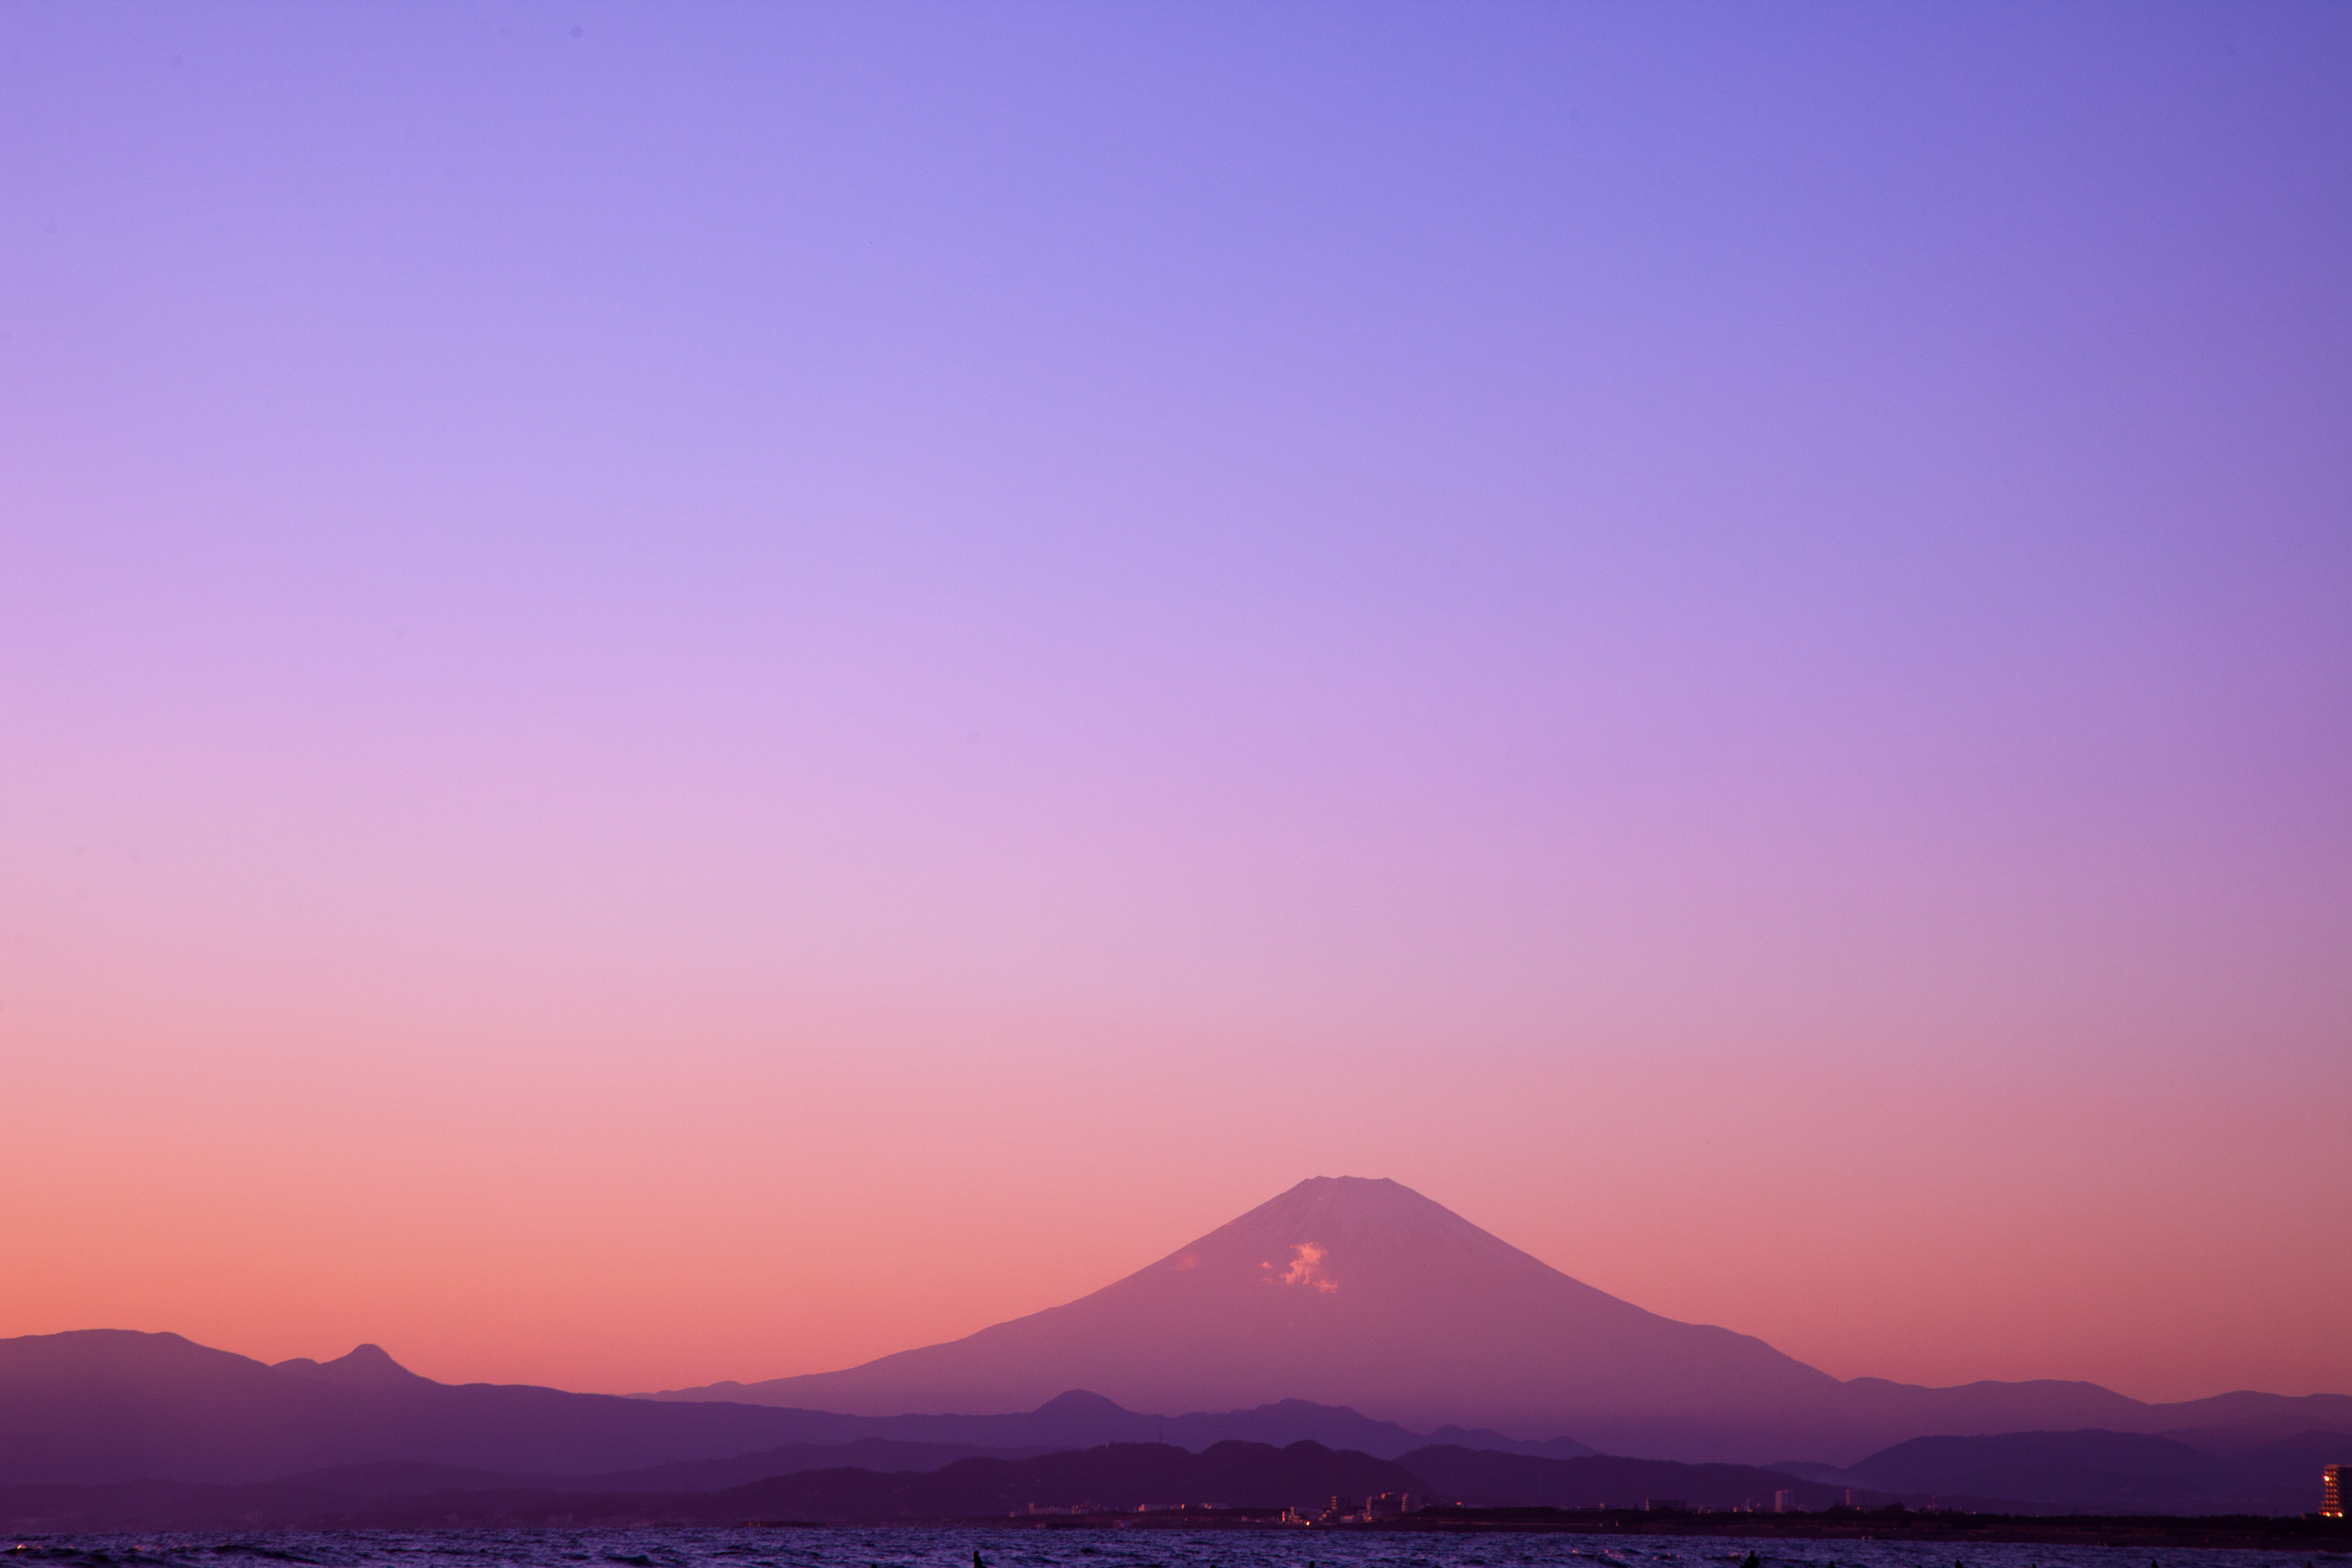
936, 1547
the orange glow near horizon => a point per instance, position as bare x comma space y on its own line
706, 695
594, 1218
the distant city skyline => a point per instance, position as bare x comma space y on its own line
701, 694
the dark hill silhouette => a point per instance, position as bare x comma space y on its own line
1364, 1293
409, 1477
2016, 1472
2111, 1472
368, 1366
1486, 1480
2067, 1472
1119, 1475
112, 1406
1122, 1476
108, 1405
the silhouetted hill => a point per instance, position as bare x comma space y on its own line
2289, 1468
1994, 1409
1494, 1442
367, 1366
2064, 1472
1123, 1475
1120, 1476
2110, 1472
2105, 1473
407, 1478
107, 1404
1481, 1478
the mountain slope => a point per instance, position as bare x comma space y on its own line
1360, 1293
1116, 1475
1353, 1313
111, 1404
1364, 1293
105, 1405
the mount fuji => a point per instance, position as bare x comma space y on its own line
1359, 1292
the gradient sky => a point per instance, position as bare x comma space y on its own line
700, 691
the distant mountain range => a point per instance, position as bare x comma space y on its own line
1119, 1476
106, 1404
1338, 1297
2100, 1472
2103, 1472
1347, 1292
118, 1430
1111, 1477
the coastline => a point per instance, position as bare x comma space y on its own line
2328, 1536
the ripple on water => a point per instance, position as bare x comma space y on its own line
912, 1547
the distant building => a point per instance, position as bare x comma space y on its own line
1665, 1505
1852, 1497
2335, 1485
1784, 1500
1391, 1505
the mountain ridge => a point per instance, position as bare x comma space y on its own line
1362, 1293
1348, 1312
98, 1405
2015, 1473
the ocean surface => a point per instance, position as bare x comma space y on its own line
932, 1547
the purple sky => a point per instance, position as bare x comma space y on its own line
1730, 623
